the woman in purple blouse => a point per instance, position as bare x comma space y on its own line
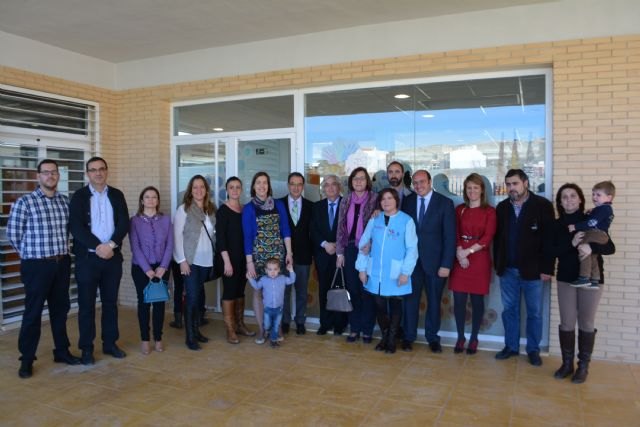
151, 238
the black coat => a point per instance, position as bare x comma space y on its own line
80, 220
536, 216
301, 232
321, 232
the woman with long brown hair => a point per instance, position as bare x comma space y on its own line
194, 245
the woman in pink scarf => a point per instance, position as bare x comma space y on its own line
355, 210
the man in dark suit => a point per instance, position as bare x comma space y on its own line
521, 263
299, 212
435, 220
99, 221
323, 235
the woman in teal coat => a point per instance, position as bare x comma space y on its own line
386, 270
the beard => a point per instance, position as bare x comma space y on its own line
395, 182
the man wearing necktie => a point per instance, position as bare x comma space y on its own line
300, 222
435, 219
323, 234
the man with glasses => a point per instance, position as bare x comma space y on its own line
99, 221
323, 233
37, 229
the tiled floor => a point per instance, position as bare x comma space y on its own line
310, 380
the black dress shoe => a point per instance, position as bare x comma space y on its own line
285, 328
534, 358
506, 353
115, 351
353, 338
26, 369
322, 331
300, 329
87, 357
338, 331
367, 339
435, 347
67, 358
406, 345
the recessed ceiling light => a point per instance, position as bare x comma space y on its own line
428, 116
218, 129
401, 96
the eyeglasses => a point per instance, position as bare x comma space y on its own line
359, 178
101, 170
49, 173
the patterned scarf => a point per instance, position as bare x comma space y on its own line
266, 205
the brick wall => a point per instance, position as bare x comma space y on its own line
596, 136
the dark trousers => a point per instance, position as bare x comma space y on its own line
141, 280
44, 280
433, 286
178, 287
329, 319
93, 273
362, 317
301, 285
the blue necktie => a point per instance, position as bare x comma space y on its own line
332, 213
422, 209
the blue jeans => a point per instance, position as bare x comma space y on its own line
511, 286
194, 286
272, 318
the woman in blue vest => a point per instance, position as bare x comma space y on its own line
386, 271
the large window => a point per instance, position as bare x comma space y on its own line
451, 127
35, 126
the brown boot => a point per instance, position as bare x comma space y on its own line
228, 307
241, 328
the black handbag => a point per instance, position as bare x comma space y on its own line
156, 291
218, 263
338, 298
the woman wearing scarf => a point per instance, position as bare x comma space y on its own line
194, 244
266, 235
355, 210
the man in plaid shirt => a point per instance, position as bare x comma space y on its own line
38, 230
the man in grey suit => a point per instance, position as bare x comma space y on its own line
435, 219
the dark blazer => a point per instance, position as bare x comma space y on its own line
80, 220
300, 233
536, 216
436, 234
321, 232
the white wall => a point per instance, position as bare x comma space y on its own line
561, 20
30, 55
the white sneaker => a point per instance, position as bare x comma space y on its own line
260, 340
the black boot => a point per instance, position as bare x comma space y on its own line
189, 326
567, 346
383, 322
393, 331
26, 369
196, 330
177, 322
585, 348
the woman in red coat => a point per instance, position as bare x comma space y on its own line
471, 273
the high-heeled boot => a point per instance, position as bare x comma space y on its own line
192, 343
241, 328
393, 330
196, 330
568, 349
585, 348
229, 317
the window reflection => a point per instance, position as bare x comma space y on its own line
449, 128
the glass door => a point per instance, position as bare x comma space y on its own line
271, 155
